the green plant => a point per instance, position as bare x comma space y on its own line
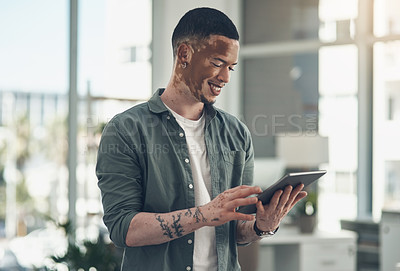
98, 254
309, 205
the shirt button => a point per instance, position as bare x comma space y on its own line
190, 241
188, 268
187, 160
168, 117
191, 186
181, 134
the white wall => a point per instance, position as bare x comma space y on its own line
166, 15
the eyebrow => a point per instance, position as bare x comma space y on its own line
223, 61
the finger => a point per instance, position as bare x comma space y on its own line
235, 189
239, 187
300, 196
275, 199
299, 187
293, 195
240, 202
285, 197
260, 207
242, 191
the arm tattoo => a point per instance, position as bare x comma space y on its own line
177, 226
188, 212
164, 227
198, 215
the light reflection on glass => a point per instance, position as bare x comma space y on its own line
338, 119
386, 112
386, 17
337, 19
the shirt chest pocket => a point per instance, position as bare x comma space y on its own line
234, 162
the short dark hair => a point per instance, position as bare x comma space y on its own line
200, 23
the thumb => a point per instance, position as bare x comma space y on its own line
260, 207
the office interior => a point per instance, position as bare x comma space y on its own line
317, 84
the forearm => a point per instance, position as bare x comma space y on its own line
246, 233
157, 228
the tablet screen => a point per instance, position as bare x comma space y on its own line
292, 179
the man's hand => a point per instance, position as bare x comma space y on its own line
222, 209
269, 216
157, 228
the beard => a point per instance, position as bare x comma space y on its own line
205, 101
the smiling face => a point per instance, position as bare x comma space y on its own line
209, 67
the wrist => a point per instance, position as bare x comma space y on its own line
263, 233
201, 216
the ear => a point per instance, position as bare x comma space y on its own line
184, 53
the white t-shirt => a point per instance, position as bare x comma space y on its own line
205, 253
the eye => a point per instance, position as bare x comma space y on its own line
220, 66
216, 65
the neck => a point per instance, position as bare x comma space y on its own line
180, 100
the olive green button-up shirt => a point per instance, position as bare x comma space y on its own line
143, 166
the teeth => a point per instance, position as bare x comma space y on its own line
214, 87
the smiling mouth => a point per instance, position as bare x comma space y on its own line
215, 89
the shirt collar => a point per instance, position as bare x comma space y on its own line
156, 105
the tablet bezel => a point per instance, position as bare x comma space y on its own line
292, 179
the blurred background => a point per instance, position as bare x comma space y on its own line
323, 74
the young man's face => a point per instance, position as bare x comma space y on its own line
210, 66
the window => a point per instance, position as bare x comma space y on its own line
114, 73
386, 18
280, 20
301, 59
33, 106
338, 105
386, 126
386, 107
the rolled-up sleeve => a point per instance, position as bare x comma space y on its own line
120, 181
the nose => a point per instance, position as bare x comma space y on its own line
224, 75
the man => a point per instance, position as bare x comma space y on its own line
172, 171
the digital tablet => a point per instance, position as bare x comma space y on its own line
292, 179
